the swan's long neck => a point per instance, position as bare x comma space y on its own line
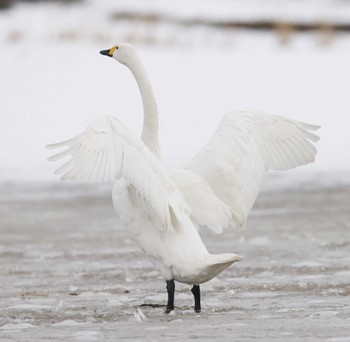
150, 110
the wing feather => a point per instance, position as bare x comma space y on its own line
234, 161
107, 151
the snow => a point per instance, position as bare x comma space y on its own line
28, 307
58, 97
88, 335
307, 263
55, 86
139, 315
260, 241
17, 326
67, 323
97, 14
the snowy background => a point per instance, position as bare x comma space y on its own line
54, 82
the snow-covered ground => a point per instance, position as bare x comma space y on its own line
54, 82
69, 272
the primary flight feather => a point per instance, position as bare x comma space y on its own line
217, 188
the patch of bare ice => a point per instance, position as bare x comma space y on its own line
327, 313
184, 296
260, 294
339, 339
265, 316
140, 312
156, 328
178, 320
264, 274
17, 326
139, 315
59, 306
288, 310
343, 274
307, 263
113, 302
67, 323
156, 298
260, 241
87, 294
88, 335
30, 307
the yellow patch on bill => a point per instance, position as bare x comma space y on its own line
112, 50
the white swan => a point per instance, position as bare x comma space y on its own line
217, 188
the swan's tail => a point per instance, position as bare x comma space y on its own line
218, 262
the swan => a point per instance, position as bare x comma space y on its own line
217, 188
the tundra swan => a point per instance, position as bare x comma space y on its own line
217, 188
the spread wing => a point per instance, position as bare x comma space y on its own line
107, 150
234, 161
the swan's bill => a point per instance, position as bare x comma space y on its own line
109, 52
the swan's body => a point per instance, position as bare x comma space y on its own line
217, 188
177, 250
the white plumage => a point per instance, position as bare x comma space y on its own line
217, 188
106, 151
243, 148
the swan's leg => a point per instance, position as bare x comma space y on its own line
197, 298
170, 286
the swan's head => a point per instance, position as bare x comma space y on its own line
121, 52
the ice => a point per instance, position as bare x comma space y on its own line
34, 307
114, 302
265, 274
67, 323
260, 241
155, 328
307, 263
17, 326
343, 274
59, 306
174, 321
142, 315
88, 294
328, 313
88, 335
137, 316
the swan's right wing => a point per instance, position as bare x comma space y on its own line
106, 151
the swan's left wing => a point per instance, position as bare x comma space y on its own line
106, 151
234, 161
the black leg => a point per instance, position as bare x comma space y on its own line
197, 298
170, 286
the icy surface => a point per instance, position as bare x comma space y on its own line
70, 272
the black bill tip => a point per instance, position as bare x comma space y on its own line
106, 53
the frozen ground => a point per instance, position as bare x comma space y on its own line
70, 272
